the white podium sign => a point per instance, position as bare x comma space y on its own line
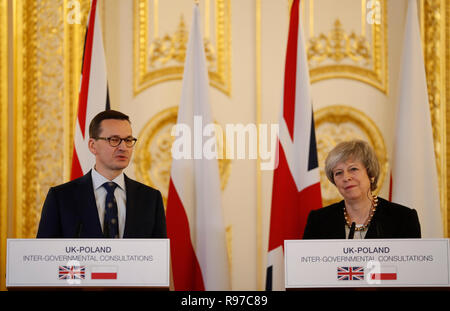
87, 262
367, 263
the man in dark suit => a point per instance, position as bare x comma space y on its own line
105, 203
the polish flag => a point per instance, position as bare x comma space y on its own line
195, 223
104, 273
385, 273
296, 180
414, 174
93, 96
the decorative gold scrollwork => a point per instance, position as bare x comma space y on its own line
338, 45
338, 54
161, 59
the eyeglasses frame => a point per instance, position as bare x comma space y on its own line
108, 139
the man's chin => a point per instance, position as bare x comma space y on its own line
121, 165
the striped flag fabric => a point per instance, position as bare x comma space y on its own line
72, 272
104, 273
296, 180
195, 223
384, 273
93, 96
414, 180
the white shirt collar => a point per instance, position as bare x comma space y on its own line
98, 180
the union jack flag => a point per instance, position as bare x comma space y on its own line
72, 272
350, 273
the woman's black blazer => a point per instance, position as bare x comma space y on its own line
390, 221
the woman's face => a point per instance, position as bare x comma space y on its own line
351, 179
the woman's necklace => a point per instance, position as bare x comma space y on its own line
372, 212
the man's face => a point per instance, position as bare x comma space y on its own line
110, 161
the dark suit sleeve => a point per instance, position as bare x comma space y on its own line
309, 232
412, 225
49, 225
159, 230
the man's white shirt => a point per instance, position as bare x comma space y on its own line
100, 196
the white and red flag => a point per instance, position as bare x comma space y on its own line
414, 175
296, 180
384, 273
93, 96
104, 273
195, 223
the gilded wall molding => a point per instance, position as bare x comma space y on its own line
25, 91
153, 157
161, 58
447, 115
4, 81
434, 16
339, 54
335, 124
39, 120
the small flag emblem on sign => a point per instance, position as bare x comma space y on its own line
385, 273
350, 273
104, 273
72, 272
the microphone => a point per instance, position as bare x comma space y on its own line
352, 231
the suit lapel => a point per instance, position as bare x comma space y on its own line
88, 208
376, 230
336, 221
130, 189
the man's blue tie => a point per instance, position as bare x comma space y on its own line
111, 221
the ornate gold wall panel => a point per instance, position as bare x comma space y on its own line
335, 124
47, 51
338, 54
447, 114
38, 120
3, 137
435, 35
158, 59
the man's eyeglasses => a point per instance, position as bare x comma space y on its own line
115, 141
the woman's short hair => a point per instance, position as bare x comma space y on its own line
357, 150
95, 125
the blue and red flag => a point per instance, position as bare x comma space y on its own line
350, 273
93, 96
296, 180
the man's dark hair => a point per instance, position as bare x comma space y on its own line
94, 126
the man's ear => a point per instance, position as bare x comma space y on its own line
91, 146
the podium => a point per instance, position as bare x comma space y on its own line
88, 264
402, 263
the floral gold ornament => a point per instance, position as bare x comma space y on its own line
339, 54
159, 59
337, 46
173, 48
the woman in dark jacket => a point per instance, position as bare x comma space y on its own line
354, 169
